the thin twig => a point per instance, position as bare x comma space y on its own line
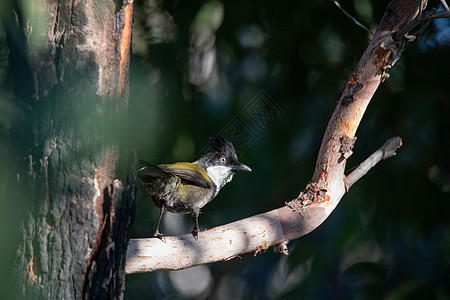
386, 151
444, 4
431, 15
352, 18
421, 8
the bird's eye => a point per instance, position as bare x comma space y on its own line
223, 159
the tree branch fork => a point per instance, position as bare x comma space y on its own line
254, 234
327, 186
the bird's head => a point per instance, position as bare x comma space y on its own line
221, 161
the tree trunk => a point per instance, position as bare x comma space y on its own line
74, 168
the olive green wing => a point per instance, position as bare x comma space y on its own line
192, 173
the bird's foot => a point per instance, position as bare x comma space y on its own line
160, 236
195, 233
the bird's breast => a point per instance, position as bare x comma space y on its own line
195, 197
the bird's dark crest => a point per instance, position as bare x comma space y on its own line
221, 144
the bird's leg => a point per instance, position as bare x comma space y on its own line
196, 227
157, 234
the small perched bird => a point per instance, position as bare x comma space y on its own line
184, 188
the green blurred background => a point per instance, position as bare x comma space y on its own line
196, 68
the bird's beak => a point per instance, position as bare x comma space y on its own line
241, 167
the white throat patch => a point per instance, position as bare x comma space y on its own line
220, 175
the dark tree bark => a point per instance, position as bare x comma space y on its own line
74, 168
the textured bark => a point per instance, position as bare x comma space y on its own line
69, 61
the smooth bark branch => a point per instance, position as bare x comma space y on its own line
253, 234
387, 150
322, 194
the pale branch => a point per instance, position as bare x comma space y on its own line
444, 4
254, 234
387, 150
352, 18
316, 202
380, 55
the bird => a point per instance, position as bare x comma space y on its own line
184, 187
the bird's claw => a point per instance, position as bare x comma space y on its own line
160, 236
195, 234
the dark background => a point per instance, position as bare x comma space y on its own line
388, 238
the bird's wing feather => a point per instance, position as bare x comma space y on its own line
147, 169
193, 173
